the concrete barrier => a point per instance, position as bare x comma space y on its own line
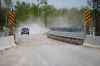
7, 42
92, 41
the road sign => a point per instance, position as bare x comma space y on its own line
11, 17
11, 21
88, 19
87, 16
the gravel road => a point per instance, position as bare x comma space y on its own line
38, 50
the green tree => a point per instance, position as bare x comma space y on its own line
34, 10
46, 10
43, 9
22, 11
8, 3
4, 13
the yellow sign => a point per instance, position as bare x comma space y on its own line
11, 17
87, 16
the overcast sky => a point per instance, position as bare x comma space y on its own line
62, 3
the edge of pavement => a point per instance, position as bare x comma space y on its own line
7, 43
92, 41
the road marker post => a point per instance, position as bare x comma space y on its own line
11, 21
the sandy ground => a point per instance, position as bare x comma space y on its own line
38, 50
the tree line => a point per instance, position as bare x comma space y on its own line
42, 9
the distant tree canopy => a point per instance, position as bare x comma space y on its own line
8, 2
25, 10
22, 11
34, 10
43, 9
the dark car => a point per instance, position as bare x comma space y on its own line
25, 31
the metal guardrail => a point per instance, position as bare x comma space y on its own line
67, 39
70, 37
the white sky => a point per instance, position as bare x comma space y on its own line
61, 3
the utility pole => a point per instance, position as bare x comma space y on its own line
38, 6
92, 27
1, 26
96, 10
0, 16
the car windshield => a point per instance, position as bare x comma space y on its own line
25, 29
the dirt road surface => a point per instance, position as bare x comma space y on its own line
38, 50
